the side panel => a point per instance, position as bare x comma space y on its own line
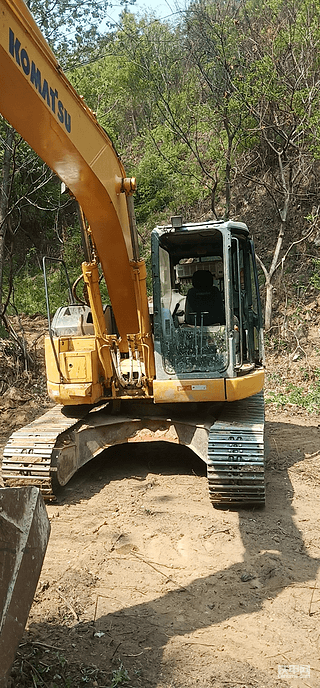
222, 389
167, 391
78, 378
245, 386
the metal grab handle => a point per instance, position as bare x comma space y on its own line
55, 260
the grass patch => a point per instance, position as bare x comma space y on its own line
36, 667
308, 399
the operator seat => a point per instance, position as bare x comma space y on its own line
204, 298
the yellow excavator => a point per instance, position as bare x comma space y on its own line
187, 368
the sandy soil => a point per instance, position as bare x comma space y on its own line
146, 584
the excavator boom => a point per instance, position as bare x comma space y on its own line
41, 104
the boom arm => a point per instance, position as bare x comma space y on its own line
40, 103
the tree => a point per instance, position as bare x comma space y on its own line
212, 43
129, 104
73, 29
33, 213
176, 102
279, 87
5, 192
181, 76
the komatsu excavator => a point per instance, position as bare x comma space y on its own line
191, 371
187, 370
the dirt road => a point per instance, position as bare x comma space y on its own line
145, 584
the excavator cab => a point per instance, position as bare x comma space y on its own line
207, 312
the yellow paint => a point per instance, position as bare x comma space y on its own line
79, 393
245, 386
174, 391
76, 367
51, 366
79, 374
139, 275
91, 279
81, 343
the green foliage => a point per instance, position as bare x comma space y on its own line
3, 332
28, 286
315, 277
42, 669
167, 180
72, 29
292, 394
120, 676
29, 294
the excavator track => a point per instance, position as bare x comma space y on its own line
48, 451
236, 453
29, 456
